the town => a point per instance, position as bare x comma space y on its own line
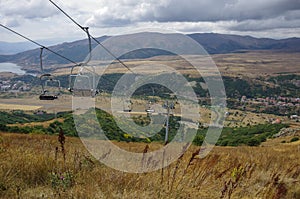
13, 86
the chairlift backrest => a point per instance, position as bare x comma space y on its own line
81, 85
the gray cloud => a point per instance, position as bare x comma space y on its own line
260, 25
11, 22
130, 11
28, 9
215, 10
293, 14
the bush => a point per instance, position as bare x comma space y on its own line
62, 180
294, 139
250, 135
198, 140
253, 142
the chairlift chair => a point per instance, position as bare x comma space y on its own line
127, 106
81, 84
81, 89
50, 87
169, 106
149, 106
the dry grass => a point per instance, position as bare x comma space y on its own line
257, 63
29, 161
19, 107
250, 64
64, 103
33, 124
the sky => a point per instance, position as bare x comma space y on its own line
40, 20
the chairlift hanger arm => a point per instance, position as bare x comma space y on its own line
86, 29
41, 60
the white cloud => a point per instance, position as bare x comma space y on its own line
120, 13
39, 19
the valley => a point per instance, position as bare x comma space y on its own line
260, 135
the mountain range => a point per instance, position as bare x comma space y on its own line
213, 43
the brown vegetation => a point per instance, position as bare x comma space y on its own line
33, 166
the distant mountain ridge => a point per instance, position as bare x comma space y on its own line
76, 51
223, 43
213, 43
11, 48
7, 48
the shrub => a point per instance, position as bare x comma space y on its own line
62, 180
253, 142
198, 140
294, 139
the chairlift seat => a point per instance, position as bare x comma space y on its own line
48, 97
150, 110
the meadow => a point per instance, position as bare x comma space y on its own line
43, 166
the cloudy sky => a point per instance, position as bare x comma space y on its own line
40, 20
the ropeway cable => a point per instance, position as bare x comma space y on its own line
85, 29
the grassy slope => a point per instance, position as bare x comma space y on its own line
243, 172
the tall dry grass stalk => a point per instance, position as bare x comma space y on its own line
144, 161
184, 148
62, 140
163, 164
